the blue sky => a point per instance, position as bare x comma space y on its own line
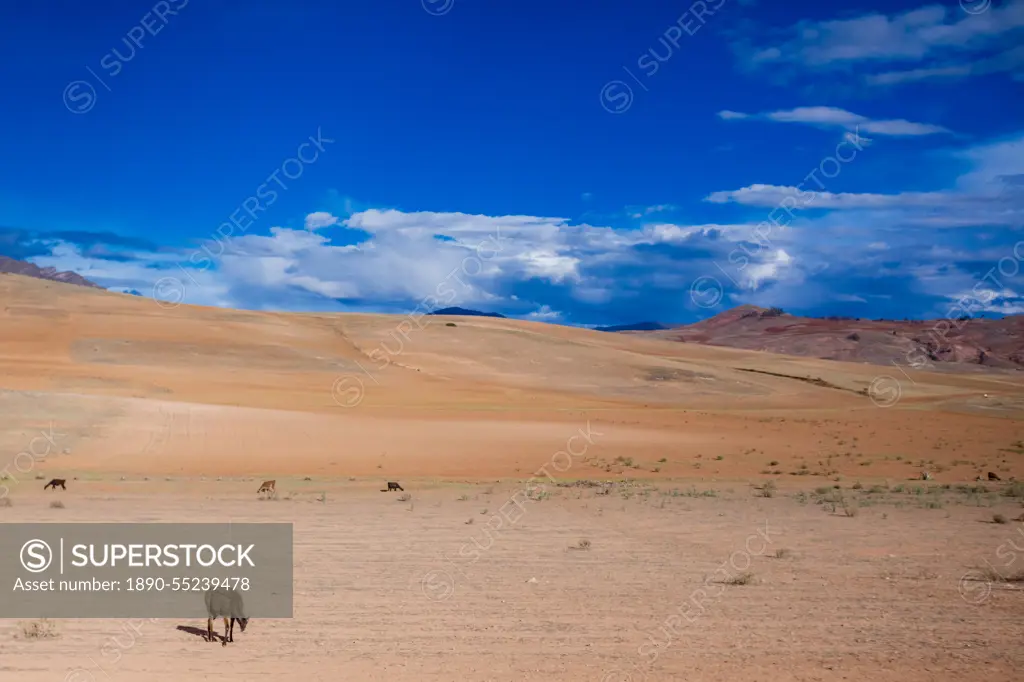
582, 163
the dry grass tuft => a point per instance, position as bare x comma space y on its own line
745, 578
56, 504
404, 497
582, 545
39, 629
999, 518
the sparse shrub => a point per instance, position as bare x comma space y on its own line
582, 545
469, 522
5, 502
40, 477
662, 460
1014, 489
39, 629
998, 518
783, 553
744, 578
463, 498
322, 499
821, 490
656, 470
850, 509
404, 497
449, 324
773, 463
858, 485
719, 458
56, 504
768, 489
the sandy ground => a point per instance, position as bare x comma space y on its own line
177, 413
386, 589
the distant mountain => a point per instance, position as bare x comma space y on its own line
995, 343
465, 311
19, 267
635, 327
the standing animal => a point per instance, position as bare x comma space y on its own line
224, 603
268, 486
993, 476
56, 482
394, 486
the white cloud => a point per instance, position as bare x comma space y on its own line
831, 117
319, 220
727, 115
773, 195
544, 267
771, 269
650, 210
545, 314
1011, 61
961, 43
990, 193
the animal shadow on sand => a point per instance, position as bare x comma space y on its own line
199, 632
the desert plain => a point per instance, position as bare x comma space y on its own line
678, 512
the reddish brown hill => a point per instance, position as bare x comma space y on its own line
19, 267
941, 343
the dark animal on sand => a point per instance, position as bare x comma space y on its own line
268, 486
224, 603
993, 477
56, 482
393, 486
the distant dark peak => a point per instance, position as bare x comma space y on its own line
19, 267
466, 312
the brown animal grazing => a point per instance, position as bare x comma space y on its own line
268, 486
993, 477
56, 482
224, 603
393, 486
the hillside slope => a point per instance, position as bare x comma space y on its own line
130, 386
941, 344
19, 267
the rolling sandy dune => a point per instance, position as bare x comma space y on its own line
156, 413
201, 391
